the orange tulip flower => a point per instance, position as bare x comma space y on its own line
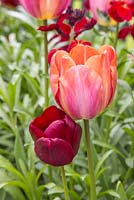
45, 9
83, 81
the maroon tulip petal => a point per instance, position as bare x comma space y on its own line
76, 138
73, 133
53, 113
56, 152
56, 130
70, 127
36, 133
48, 116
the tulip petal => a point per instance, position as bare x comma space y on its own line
32, 7
36, 132
110, 53
49, 7
76, 138
62, 5
67, 130
101, 63
52, 8
48, 116
73, 134
56, 129
56, 152
105, 66
60, 62
111, 58
81, 92
81, 53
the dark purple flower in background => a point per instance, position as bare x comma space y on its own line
70, 25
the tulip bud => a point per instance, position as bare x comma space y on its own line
83, 81
56, 136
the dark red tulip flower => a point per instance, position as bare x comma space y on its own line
56, 136
124, 32
12, 3
120, 11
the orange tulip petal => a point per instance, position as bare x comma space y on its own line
95, 62
111, 53
111, 56
81, 53
101, 65
59, 64
50, 8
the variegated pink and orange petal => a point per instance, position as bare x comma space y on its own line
32, 7
110, 60
52, 8
61, 61
101, 65
59, 64
81, 92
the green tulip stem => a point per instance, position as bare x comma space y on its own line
90, 161
46, 80
64, 183
116, 36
